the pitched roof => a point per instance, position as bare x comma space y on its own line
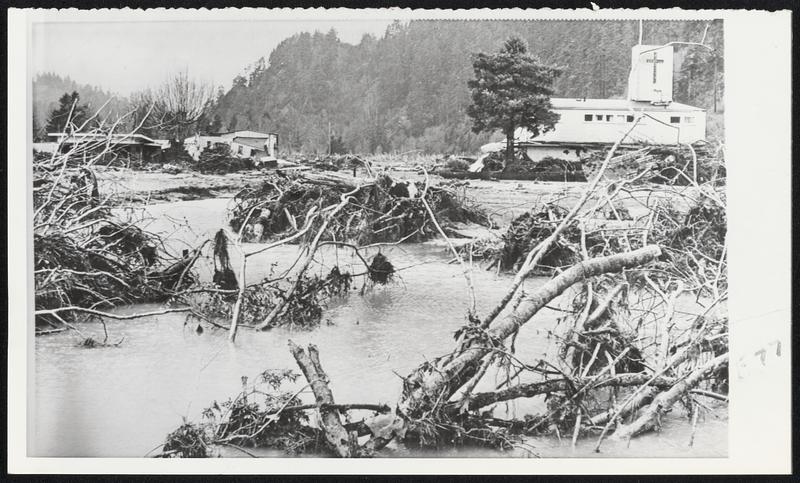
246, 134
112, 138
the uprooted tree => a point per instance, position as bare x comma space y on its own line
88, 257
626, 354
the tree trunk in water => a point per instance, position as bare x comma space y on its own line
337, 436
427, 386
651, 416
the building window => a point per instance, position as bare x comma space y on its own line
675, 119
629, 118
587, 117
619, 118
688, 120
609, 117
598, 117
240, 150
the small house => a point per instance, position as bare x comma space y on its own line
249, 144
133, 146
242, 144
196, 144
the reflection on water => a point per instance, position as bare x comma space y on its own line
123, 401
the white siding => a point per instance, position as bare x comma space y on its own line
607, 126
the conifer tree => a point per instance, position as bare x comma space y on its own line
69, 110
512, 89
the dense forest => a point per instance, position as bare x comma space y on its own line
408, 90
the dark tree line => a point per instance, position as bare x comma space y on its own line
408, 90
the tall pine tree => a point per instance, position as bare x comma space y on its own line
512, 89
69, 111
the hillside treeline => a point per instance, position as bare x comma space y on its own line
408, 90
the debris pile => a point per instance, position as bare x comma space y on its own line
494, 166
338, 162
668, 165
262, 415
381, 269
85, 256
528, 230
218, 159
694, 240
382, 209
304, 308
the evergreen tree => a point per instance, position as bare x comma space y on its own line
70, 111
512, 89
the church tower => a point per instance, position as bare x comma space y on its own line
650, 79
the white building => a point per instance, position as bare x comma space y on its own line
589, 122
243, 144
196, 144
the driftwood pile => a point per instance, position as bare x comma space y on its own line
382, 210
86, 258
218, 159
680, 165
495, 166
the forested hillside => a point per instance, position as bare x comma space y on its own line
408, 89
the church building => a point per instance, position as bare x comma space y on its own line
587, 124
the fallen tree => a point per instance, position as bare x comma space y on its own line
438, 405
625, 353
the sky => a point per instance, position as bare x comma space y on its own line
124, 57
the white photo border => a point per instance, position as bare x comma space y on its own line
758, 156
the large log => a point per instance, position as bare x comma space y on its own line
650, 417
339, 440
532, 389
428, 386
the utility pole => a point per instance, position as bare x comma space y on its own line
640, 31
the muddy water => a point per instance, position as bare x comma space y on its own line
123, 401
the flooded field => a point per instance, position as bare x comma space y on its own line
122, 401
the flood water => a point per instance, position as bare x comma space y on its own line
123, 401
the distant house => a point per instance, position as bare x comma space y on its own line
134, 146
588, 123
248, 144
243, 144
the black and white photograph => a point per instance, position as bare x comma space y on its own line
398, 235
